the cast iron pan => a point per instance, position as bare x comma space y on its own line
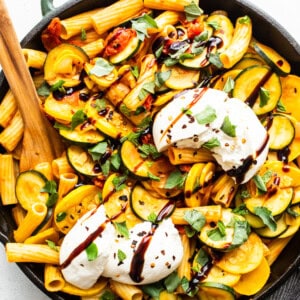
266, 29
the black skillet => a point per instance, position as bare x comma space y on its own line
285, 271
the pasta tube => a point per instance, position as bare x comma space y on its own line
53, 279
126, 291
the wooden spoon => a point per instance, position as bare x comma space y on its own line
41, 142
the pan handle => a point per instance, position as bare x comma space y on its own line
47, 6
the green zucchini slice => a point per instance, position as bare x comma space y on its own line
28, 188
65, 63
279, 64
221, 235
281, 132
81, 136
215, 290
82, 161
277, 203
259, 87
266, 232
131, 48
144, 205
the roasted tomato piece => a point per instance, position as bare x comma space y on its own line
117, 40
51, 35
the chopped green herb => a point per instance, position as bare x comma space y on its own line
214, 59
61, 126
141, 25
186, 111
52, 245
107, 295
116, 161
98, 150
78, 118
121, 255
195, 218
153, 177
101, 68
121, 227
83, 34
292, 212
51, 188
119, 182
241, 210
175, 180
172, 282
203, 36
148, 88
266, 216
213, 142
260, 183
92, 251
245, 20
206, 116
148, 150
241, 232
264, 97
61, 216
214, 24
228, 128
280, 106
105, 167
44, 89
100, 104
153, 290
58, 86
229, 85
152, 217
135, 71
162, 77
192, 11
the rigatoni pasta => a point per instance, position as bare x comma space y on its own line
103, 83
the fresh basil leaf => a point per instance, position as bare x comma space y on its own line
175, 180
98, 150
264, 96
121, 228
135, 71
44, 89
292, 212
214, 24
148, 150
147, 88
105, 167
52, 200
241, 210
92, 251
78, 118
100, 104
195, 218
52, 245
107, 295
185, 284
83, 34
213, 142
119, 182
214, 59
228, 128
60, 216
60, 126
172, 282
221, 227
153, 177
229, 85
101, 68
121, 255
203, 36
241, 232
116, 161
58, 86
169, 62
215, 234
245, 194
196, 49
153, 290
192, 11
245, 20
266, 216
50, 187
260, 183
280, 106
162, 77
206, 116
152, 217
202, 257
141, 25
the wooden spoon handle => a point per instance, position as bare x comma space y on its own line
40, 141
